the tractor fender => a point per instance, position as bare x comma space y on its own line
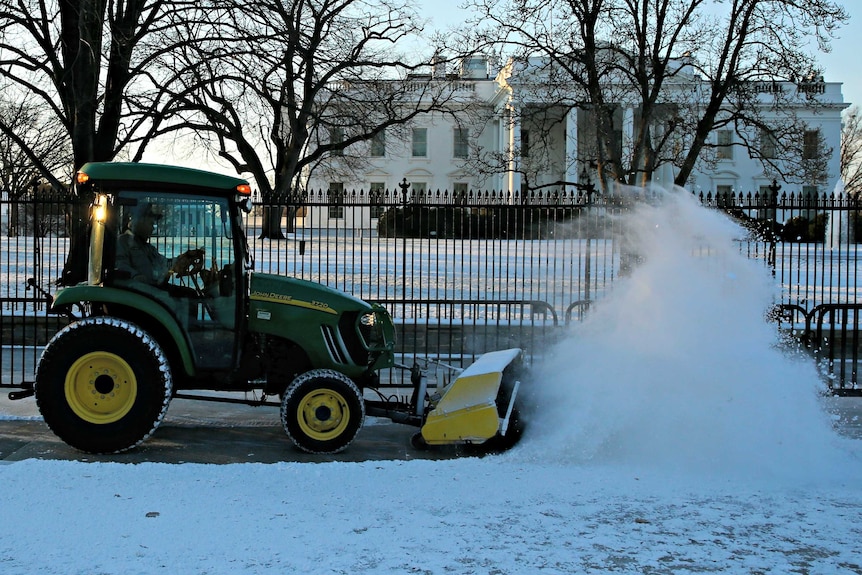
95, 295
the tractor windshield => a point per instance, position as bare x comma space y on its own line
155, 230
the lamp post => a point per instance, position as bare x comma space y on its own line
404, 185
773, 203
585, 185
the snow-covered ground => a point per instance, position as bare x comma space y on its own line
669, 433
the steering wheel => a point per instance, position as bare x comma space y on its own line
190, 263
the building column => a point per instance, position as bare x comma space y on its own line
514, 147
501, 178
628, 130
572, 160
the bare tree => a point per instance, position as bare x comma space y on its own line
269, 84
682, 69
88, 62
29, 135
81, 60
757, 42
851, 151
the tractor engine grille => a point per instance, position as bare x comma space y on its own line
355, 346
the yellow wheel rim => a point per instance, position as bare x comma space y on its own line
101, 387
323, 414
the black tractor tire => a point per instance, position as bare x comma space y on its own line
103, 385
515, 431
322, 411
500, 443
517, 425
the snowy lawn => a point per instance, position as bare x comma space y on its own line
496, 515
670, 433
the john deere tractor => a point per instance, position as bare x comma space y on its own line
172, 305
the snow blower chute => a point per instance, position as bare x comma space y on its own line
476, 405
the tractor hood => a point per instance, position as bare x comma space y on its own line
332, 327
268, 289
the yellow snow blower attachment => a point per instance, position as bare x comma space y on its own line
478, 405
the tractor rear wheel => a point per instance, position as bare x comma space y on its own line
103, 385
322, 411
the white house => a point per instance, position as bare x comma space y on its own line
441, 151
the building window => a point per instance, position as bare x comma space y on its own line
724, 191
525, 143
724, 139
378, 145
810, 193
336, 136
618, 143
420, 143
461, 142
335, 197
811, 145
418, 190
768, 144
376, 191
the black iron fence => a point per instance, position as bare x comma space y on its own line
467, 273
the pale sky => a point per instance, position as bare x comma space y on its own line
843, 64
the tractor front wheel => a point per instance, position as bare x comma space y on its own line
103, 385
322, 411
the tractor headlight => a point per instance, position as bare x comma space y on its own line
371, 326
100, 208
376, 330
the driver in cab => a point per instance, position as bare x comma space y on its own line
137, 257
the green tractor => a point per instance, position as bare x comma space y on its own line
172, 305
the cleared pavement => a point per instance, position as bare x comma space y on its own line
207, 432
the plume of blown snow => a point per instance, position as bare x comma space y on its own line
678, 369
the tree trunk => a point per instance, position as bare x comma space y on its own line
271, 223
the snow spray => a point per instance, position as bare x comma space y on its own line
678, 368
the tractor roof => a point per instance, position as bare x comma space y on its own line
117, 174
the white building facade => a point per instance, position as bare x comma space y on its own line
443, 152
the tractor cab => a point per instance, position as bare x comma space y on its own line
172, 245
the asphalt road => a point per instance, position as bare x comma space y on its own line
207, 432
